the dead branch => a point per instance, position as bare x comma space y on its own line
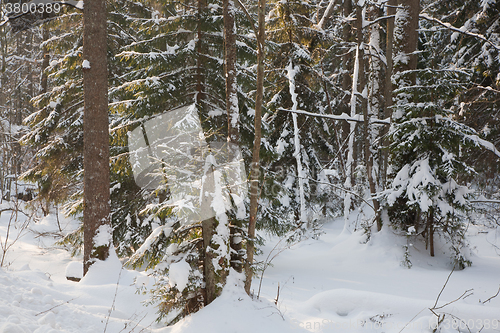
466, 294
489, 299
442, 289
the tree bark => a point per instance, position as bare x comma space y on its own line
199, 62
406, 37
430, 230
233, 133
231, 71
346, 81
96, 135
391, 10
208, 227
364, 109
45, 62
255, 167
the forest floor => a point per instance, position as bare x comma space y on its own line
339, 282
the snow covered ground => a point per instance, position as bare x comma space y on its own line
338, 283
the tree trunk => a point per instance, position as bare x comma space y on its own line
45, 62
231, 72
391, 10
346, 81
255, 167
208, 227
364, 109
406, 38
199, 48
233, 133
430, 230
96, 211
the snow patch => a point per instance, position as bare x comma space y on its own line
178, 274
104, 236
74, 270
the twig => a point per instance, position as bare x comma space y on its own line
114, 299
412, 319
459, 298
489, 299
136, 324
442, 289
13, 220
269, 259
277, 295
52, 308
274, 308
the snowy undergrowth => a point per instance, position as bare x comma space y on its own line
338, 283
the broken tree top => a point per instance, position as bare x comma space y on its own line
23, 14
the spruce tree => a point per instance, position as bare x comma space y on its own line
173, 101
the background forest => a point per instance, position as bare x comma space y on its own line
386, 108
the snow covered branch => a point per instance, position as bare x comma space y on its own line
343, 116
459, 30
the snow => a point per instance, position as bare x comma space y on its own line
339, 283
74, 270
178, 274
292, 71
86, 64
103, 236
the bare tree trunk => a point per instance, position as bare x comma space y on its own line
208, 227
233, 133
364, 109
45, 61
406, 37
255, 168
96, 211
199, 48
430, 230
346, 79
231, 71
391, 10
375, 110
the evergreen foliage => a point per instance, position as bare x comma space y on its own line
295, 41
427, 159
172, 192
